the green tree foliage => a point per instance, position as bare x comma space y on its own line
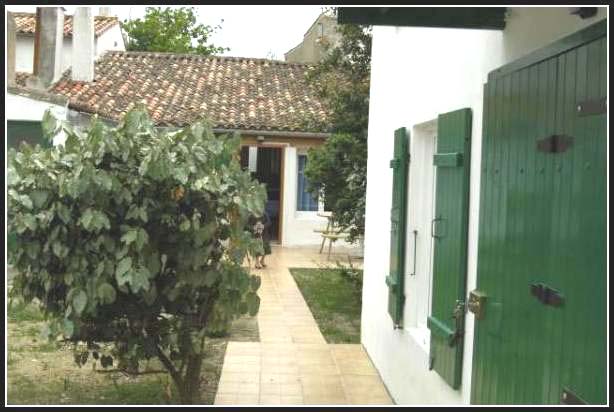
338, 168
170, 30
132, 241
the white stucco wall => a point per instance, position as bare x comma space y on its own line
24, 52
110, 40
25, 108
418, 73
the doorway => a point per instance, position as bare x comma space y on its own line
542, 241
266, 165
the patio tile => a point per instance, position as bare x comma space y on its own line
292, 400
292, 364
246, 400
224, 399
239, 377
268, 399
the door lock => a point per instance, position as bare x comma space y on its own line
477, 303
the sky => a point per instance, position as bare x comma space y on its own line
249, 31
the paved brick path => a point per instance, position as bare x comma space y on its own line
292, 364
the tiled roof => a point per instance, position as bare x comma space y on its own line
26, 23
234, 93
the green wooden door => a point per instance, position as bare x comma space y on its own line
449, 231
542, 236
398, 227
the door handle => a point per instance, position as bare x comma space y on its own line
433, 224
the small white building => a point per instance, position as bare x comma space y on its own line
486, 284
107, 32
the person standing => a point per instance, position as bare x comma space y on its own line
261, 231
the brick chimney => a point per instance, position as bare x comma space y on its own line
48, 39
10, 45
83, 45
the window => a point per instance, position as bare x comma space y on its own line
305, 201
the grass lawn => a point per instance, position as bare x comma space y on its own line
334, 300
40, 372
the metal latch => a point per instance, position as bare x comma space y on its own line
477, 303
458, 315
546, 295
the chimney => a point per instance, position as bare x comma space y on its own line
10, 52
83, 46
48, 41
104, 11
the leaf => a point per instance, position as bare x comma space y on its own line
39, 197
86, 218
210, 278
141, 238
50, 125
30, 222
107, 293
63, 212
79, 301
153, 264
150, 295
100, 268
139, 280
129, 237
57, 248
122, 270
255, 282
185, 225
69, 328
253, 303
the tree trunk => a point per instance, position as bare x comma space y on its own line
191, 380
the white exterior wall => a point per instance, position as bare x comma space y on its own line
25, 108
418, 73
24, 51
110, 40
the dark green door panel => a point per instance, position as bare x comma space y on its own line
450, 244
543, 222
398, 226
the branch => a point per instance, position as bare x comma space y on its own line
169, 366
129, 373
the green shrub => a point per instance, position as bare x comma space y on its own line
134, 237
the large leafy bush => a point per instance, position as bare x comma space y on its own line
132, 240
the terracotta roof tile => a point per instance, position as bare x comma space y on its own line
26, 23
234, 93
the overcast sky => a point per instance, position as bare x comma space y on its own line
249, 31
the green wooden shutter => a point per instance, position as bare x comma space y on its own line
449, 230
394, 280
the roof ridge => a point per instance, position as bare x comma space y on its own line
199, 56
30, 14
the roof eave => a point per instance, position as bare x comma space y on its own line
486, 18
